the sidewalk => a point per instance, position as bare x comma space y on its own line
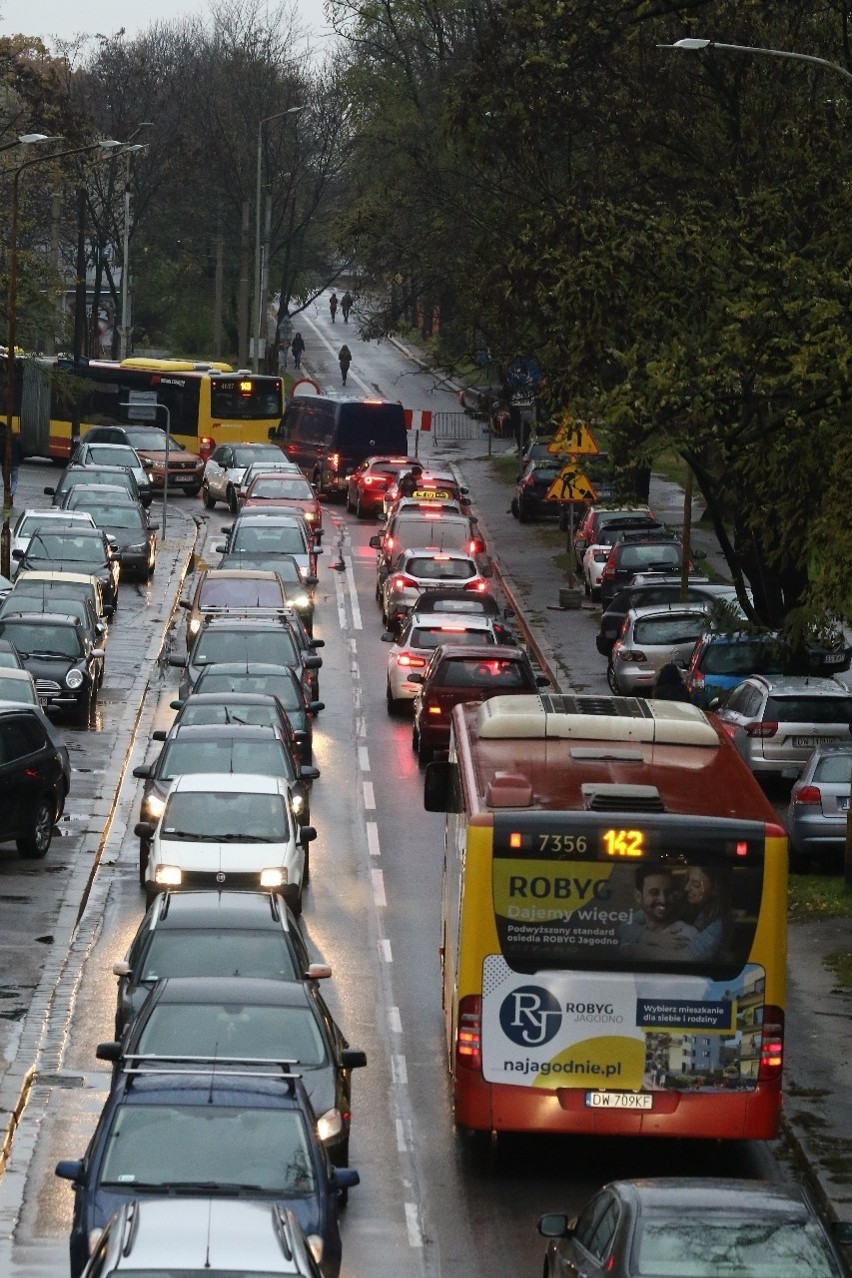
816, 1128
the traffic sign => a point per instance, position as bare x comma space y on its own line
141, 406
574, 437
571, 485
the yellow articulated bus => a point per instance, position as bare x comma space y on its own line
614, 921
209, 404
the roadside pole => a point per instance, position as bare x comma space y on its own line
144, 408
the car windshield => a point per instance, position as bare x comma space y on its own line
66, 546
701, 1246
645, 555
668, 629
284, 686
91, 477
263, 758
806, 709
17, 689
234, 1029
275, 646
110, 455
438, 569
281, 539
151, 439
834, 769
127, 517
236, 592
742, 659
250, 454
257, 716
432, 532
225, 952
470, 672
215, 817
295, 488
433, 636
173, 1145
35, 638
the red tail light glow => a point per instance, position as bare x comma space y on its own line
469, 1033
403, 583
771, 1044
477, 584
333, 461
809, 794
406, 659
761, 729
368, 480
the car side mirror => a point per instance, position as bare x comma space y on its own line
542, 681
311, 579
309, 773
177, 659
108, 1051
341, 1178
715, 704
318, 972
317, 643
312, 663
177, 704
144, 829
184, 603
121, 968
70, 1169
375, 543
314, 707
228, 528
388, 637
272, 433
221, 550
415, 678
351, 1058
554, 1225
50, 492
17, 554
159, 734
143, 771
318, 550
307, 834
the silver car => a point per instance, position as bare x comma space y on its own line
651, 638
775, 721
417, 572
819, 804
225, 470
420, 635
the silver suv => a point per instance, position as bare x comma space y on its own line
775, 721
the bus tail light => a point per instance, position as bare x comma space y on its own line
761, 729
771, 1044
809, 794
469, 1033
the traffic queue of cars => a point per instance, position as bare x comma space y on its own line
231, 1081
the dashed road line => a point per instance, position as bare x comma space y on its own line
373, 838
379, 889
412, 1224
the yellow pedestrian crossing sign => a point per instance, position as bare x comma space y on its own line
573, 437
571, 485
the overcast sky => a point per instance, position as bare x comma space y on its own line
59, 18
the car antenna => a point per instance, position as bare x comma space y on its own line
213, 1072
209, 1225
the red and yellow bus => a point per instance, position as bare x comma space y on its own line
209, 404
614, 922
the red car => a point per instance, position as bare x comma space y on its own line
284, 491
369, 483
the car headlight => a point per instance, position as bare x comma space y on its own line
297, 804
329, 1125
316, 1245
152, 807
195, 625
272, 877
74, 678
301, 602
137, 550
168, 875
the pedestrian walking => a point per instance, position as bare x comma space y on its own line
282, 356
332, 306
16, 454
345, 358
297, 346
346, 305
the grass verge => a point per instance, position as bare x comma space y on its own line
818, 896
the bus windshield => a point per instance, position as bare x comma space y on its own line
246, 398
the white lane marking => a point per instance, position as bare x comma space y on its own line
385, 951
399, 1069
363, 758
394, 1020
412, 1224
341, 601
360, 726
379, 889
357, 623
373, 839
369, 796
401, 1142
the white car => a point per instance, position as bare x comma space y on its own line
594, 562
651, 638
225, 468
416, 572
227, 830
30, 521
421, 634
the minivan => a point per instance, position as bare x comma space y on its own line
329, 438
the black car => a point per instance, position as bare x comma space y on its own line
86, 550
93, 476
254, 709
225, 1129
67, 668
249, 640
265, 1020
223, 933
663, 591
134, 536
638, 552
30, 597
530, 497
282, 682
34, 780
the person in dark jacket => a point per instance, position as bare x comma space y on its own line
670, 685
297, 346
344, 359
410, 481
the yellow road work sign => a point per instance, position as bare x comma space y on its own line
574, 437
571, 485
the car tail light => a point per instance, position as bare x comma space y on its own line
469, 1033
761, 729
608, 573
310, 516
695, 681
771, 1044
432, 708
388, 543
631, 654
367, 480
809, 794
206, 444
333, 461
402, 582
406, 659
477, 584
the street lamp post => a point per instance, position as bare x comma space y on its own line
258, 292
694, 45
125, 259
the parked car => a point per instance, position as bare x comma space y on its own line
150, 442
699, 1226
776, 721
414, 573
134, 537
34, 779
75, 585
80, 550
282, 681
161, 1136
88, 453
643, 592
819, 805
529, 500
637, 551
17, 685
368, 483
221, 1017
597, 516
225, 468
420, 635
469, 672
651, 638
720, 661
21, 602
221, 830
57, 651
200, 933
31, 521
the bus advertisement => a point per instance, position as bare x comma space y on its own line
614, 916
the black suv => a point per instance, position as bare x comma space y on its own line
637, 552
329, 438
33, 780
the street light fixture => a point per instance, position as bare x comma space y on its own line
694, 45
107, 144
258, 299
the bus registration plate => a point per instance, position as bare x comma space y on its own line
619, 1100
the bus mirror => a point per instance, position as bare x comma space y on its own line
440, 789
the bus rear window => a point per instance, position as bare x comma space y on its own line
382, 425
247, 399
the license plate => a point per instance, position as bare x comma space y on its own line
619, 1100
807, 743
843, 804
181, 479
833, 658
44, 701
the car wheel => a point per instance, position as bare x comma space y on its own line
209, 499
350, 506
84, 709
586, 587
610, 678
514, 507
193, 492
33, 846
231, 499
306, 872
523, 514
144, 848
360, 512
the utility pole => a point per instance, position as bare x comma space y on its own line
217, 294
55, 223
243, 299
79, 308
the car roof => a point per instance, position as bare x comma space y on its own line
268, 517
255, 990
207, 909
481, 652
229, 783
742, 1197
223, 731
13, 672
239, 574
797, 685
46, 618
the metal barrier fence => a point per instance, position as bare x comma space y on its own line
457, 427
